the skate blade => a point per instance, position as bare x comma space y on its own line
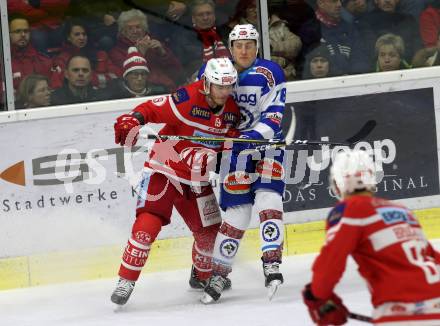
272, 288
206, 299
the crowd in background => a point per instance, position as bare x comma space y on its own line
73, 51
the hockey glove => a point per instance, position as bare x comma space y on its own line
126, 130
330, 311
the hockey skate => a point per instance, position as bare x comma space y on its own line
273, 278
122, 292
197, 284
214, 289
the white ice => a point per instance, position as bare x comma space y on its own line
164, 299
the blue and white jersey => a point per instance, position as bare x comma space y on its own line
261, 95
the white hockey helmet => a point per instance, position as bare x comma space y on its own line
352, 170
244, 32
219, 71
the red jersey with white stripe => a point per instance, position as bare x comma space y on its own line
186, 113
387, 243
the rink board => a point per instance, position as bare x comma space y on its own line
54, 232
166, 254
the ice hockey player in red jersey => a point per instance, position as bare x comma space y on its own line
400, 266
176, 173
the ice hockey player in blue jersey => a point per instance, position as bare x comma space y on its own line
252, 185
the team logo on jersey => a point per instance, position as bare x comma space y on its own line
270, 231
202, 113
397, 309
270, 169
266, 73
180, 96
228, 248
237, 183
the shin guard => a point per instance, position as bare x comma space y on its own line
144, 232
269, 207
228, 238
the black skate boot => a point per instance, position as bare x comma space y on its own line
197, 284
214, 289
273, 277
122, 292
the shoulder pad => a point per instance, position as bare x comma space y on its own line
335, 214
180, 96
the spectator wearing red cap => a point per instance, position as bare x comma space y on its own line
133, 31
135, 79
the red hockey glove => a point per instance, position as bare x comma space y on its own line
126, 130
330, 311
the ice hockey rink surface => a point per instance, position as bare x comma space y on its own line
164, 299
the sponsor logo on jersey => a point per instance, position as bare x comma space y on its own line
275, 117
213, 144
335, 215
266, 73
159, 101
270, 231
270, 169
397, 309
391, 215
245, 98
228, 248
237, 183
230, 118
202, 113
180, 96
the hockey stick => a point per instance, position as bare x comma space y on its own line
359, 317
361, 134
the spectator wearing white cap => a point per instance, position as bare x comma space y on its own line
134, 81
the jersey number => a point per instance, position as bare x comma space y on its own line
415, 252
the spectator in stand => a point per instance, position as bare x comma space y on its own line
100, 17
34, 92
413, 7
25, 58
134, 82
77, 87
386, 19
319, 64
354, 10
45, 18
342, 39
430, 24
76, 43
133, 31
390, 51
245, 13
285, 46
196, 46
302, 21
